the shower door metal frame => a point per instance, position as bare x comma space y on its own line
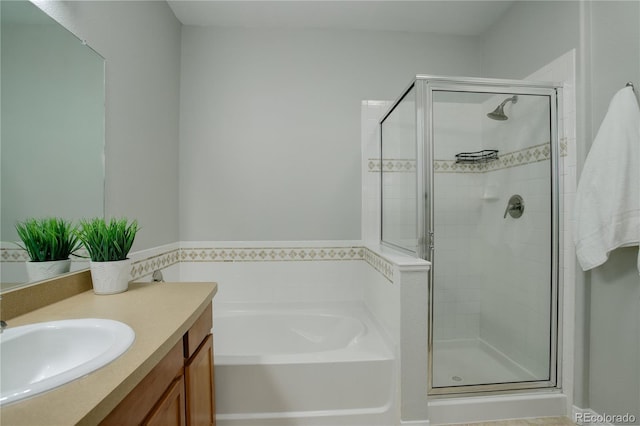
425, 86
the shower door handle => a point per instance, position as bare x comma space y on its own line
515, 207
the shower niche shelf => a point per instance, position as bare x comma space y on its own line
477, 157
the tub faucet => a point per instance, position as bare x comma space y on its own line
515, 207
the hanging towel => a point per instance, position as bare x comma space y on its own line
608, 198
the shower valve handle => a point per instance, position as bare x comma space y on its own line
515, 207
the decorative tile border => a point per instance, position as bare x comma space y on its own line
373, 164
450, 166
139, 268
143, 267
20, 255
13, 255
379, 263
564, 150
270, 254
395, 165
521, 157
288, 254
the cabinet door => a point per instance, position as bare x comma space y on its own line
136, 406
170, 410
200, 386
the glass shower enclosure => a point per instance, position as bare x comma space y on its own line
469, 181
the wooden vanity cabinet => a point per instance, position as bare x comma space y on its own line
198, 372
199, 386
179, 391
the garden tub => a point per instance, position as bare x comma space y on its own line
301, 364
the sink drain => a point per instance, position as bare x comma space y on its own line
456, 378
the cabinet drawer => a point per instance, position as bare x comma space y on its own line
198, 332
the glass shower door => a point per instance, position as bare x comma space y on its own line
399, 178
493, 285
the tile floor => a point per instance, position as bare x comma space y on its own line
546, 421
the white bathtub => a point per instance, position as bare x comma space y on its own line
301, 364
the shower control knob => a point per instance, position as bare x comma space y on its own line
515, 207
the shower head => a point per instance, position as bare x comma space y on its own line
498, 113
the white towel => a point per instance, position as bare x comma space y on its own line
608, 198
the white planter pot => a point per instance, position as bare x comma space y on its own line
110, 277
38, 271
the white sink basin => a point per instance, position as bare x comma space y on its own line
38, 357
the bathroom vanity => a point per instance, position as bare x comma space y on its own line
165, 377
179, 390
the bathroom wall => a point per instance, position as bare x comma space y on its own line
270, 124
605, 36
140, 41
529, 35
614, 382
275, 272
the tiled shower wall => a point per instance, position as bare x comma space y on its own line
487, 283
472, 239
515, 304
458, 191
516, 295
469, 311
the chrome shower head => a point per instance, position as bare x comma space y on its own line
498, 113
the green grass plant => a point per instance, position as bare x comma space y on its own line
107, 241
48, 239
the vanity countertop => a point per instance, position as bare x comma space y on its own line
159, 313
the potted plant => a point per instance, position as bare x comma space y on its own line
49, 242
108, 244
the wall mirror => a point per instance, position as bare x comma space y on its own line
52, 114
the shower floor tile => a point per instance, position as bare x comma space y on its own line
470, 362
